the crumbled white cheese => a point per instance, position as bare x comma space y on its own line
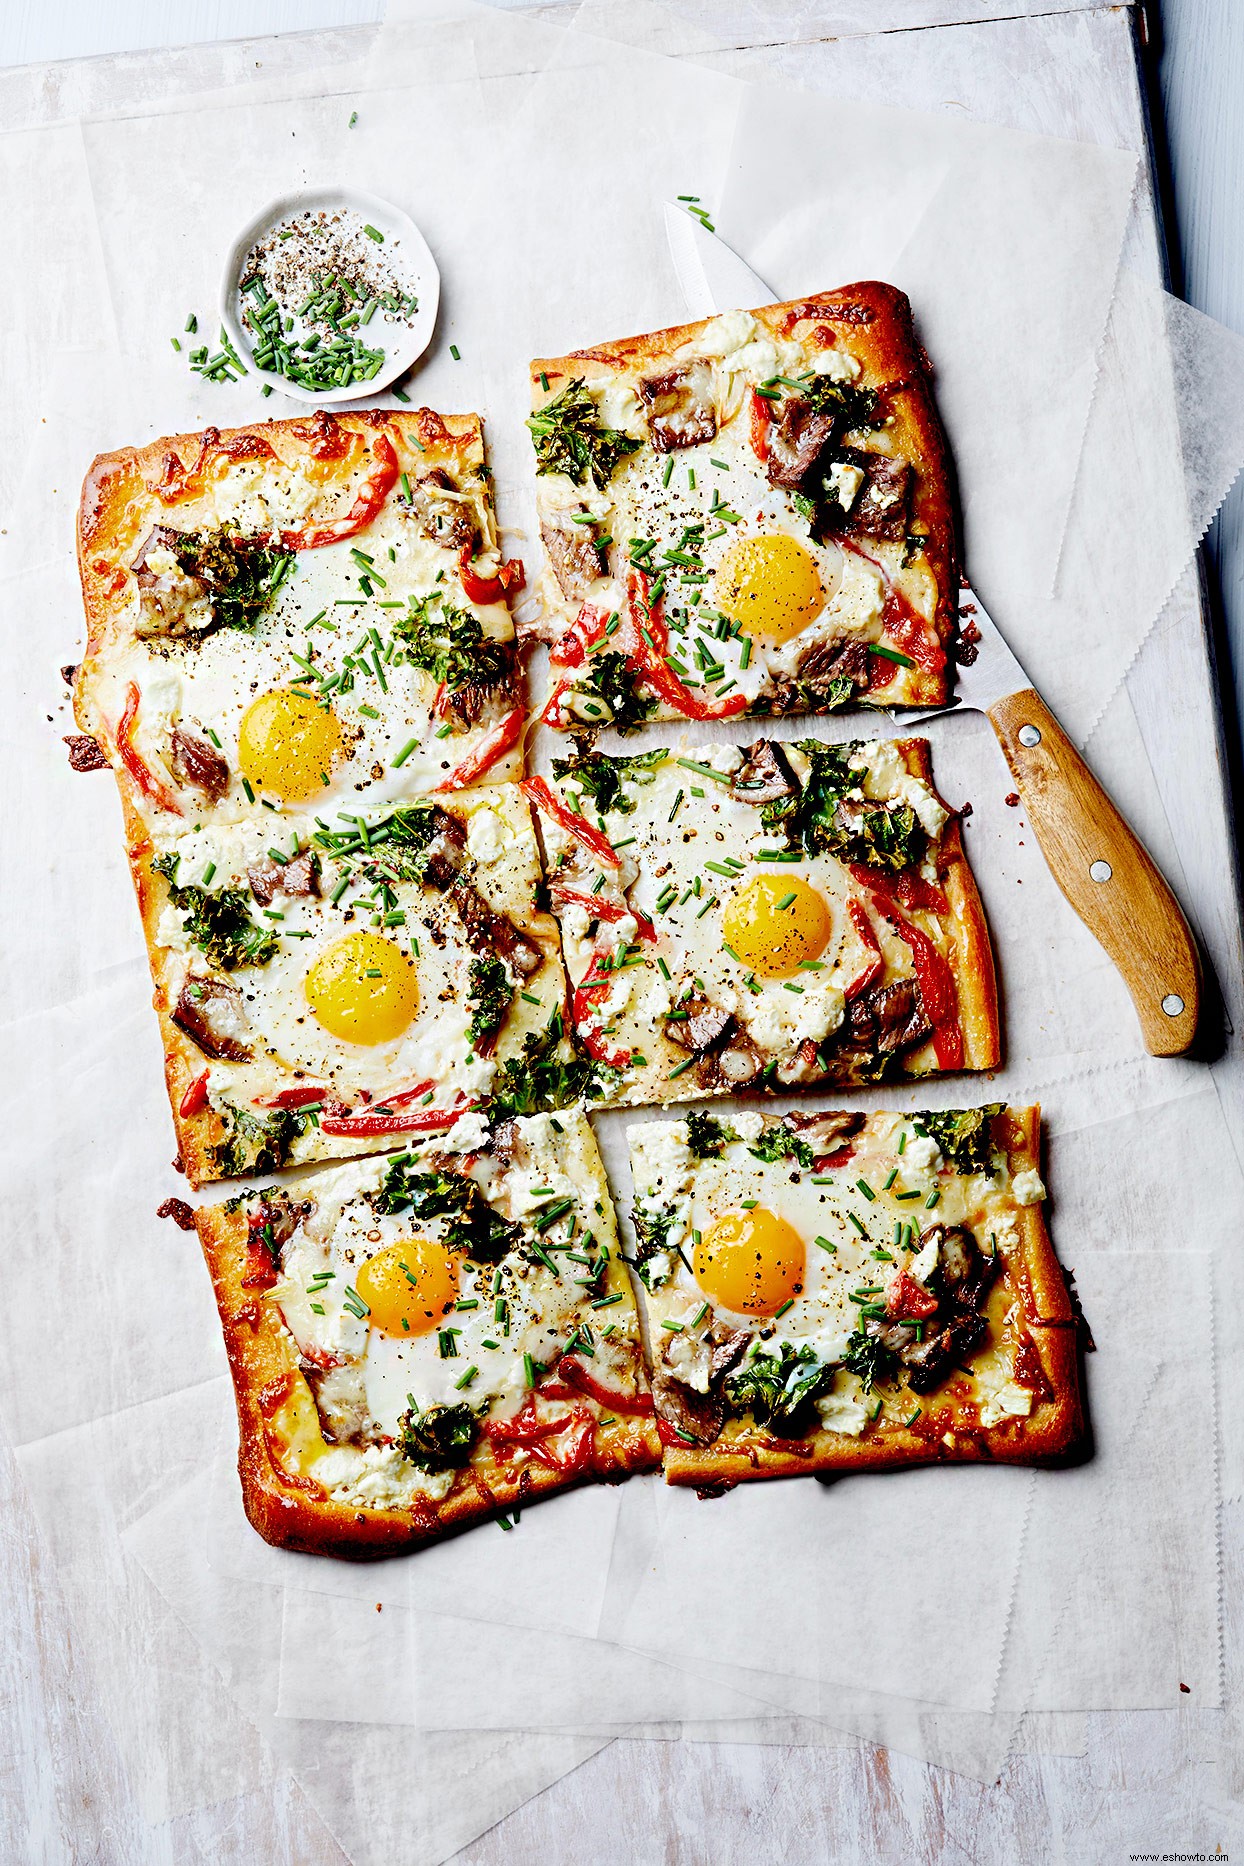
748, 1125
922, 1153
924, 1263
1010, 1401
690, 1360
467, 1135
841, 1411
887, 779
486, 837
377, 1476
660, 1155
839, 364
845, 482
1027, 1188
782, 1020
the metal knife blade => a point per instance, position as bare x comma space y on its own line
1103, 869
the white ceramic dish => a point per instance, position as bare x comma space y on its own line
403, 343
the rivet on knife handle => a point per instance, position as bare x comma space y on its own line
1104, 871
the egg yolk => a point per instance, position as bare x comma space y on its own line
410, 1287
777, 923
770, 585
364, 989
287, 745
750, 1262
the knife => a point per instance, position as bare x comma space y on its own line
1103, 869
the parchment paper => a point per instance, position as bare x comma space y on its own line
1066, 1018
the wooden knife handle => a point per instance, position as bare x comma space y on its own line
1104, 871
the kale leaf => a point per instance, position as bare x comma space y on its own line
396, 847
778, 1143
882, 835
491, 995
604, 777
242, 574
869, 1357
963, 1134
450, 644
615, 684
569, 438
473, 1227
653, 1225
440, 1439
779, 1389
851, 405
545, 1076
256, 1143
219, 924
707, 1136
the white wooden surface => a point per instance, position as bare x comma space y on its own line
1148, 1780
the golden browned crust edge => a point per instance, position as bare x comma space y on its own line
882, 336
1049, 1434
297, 1514
197, 1134
972, 961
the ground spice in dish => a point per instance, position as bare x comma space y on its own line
316, 292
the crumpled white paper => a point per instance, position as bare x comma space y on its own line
1066, 1014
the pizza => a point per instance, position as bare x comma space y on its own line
748, 514
842, 1291
304, 614
764, 917
327, 991
420, 1341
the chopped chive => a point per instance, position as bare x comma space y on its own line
455, 352
373, 233
404, 754
932, 1199
855, 1221
863, 1186
824, 1244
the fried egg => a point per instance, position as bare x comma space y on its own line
776, 924
750, 1262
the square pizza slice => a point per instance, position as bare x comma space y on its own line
305, 614
848, 1292
420, 1341
331, 986
765, 918
749, 514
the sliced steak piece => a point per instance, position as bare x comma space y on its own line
170, 601
212, 1014
939, 1354
705, 1025
765, 774
679, 407
199, 764
441, 512
488, 931
85, 753
573, 554
964, 1271
825, 1132
880, 509
795, 442
696, 1417
887, 1018
268, 878
829, 661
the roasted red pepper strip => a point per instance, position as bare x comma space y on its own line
141, 773
509, 578
523, 1427
901, 622
537, 789
427, 1121
612, 911
911, 889
375, 490
294, 1097
582, 1007
760, 418
577, 1457
864, 927
650, 652
937, 992
195, 1098
506, 733
905, 1297
575, 1374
